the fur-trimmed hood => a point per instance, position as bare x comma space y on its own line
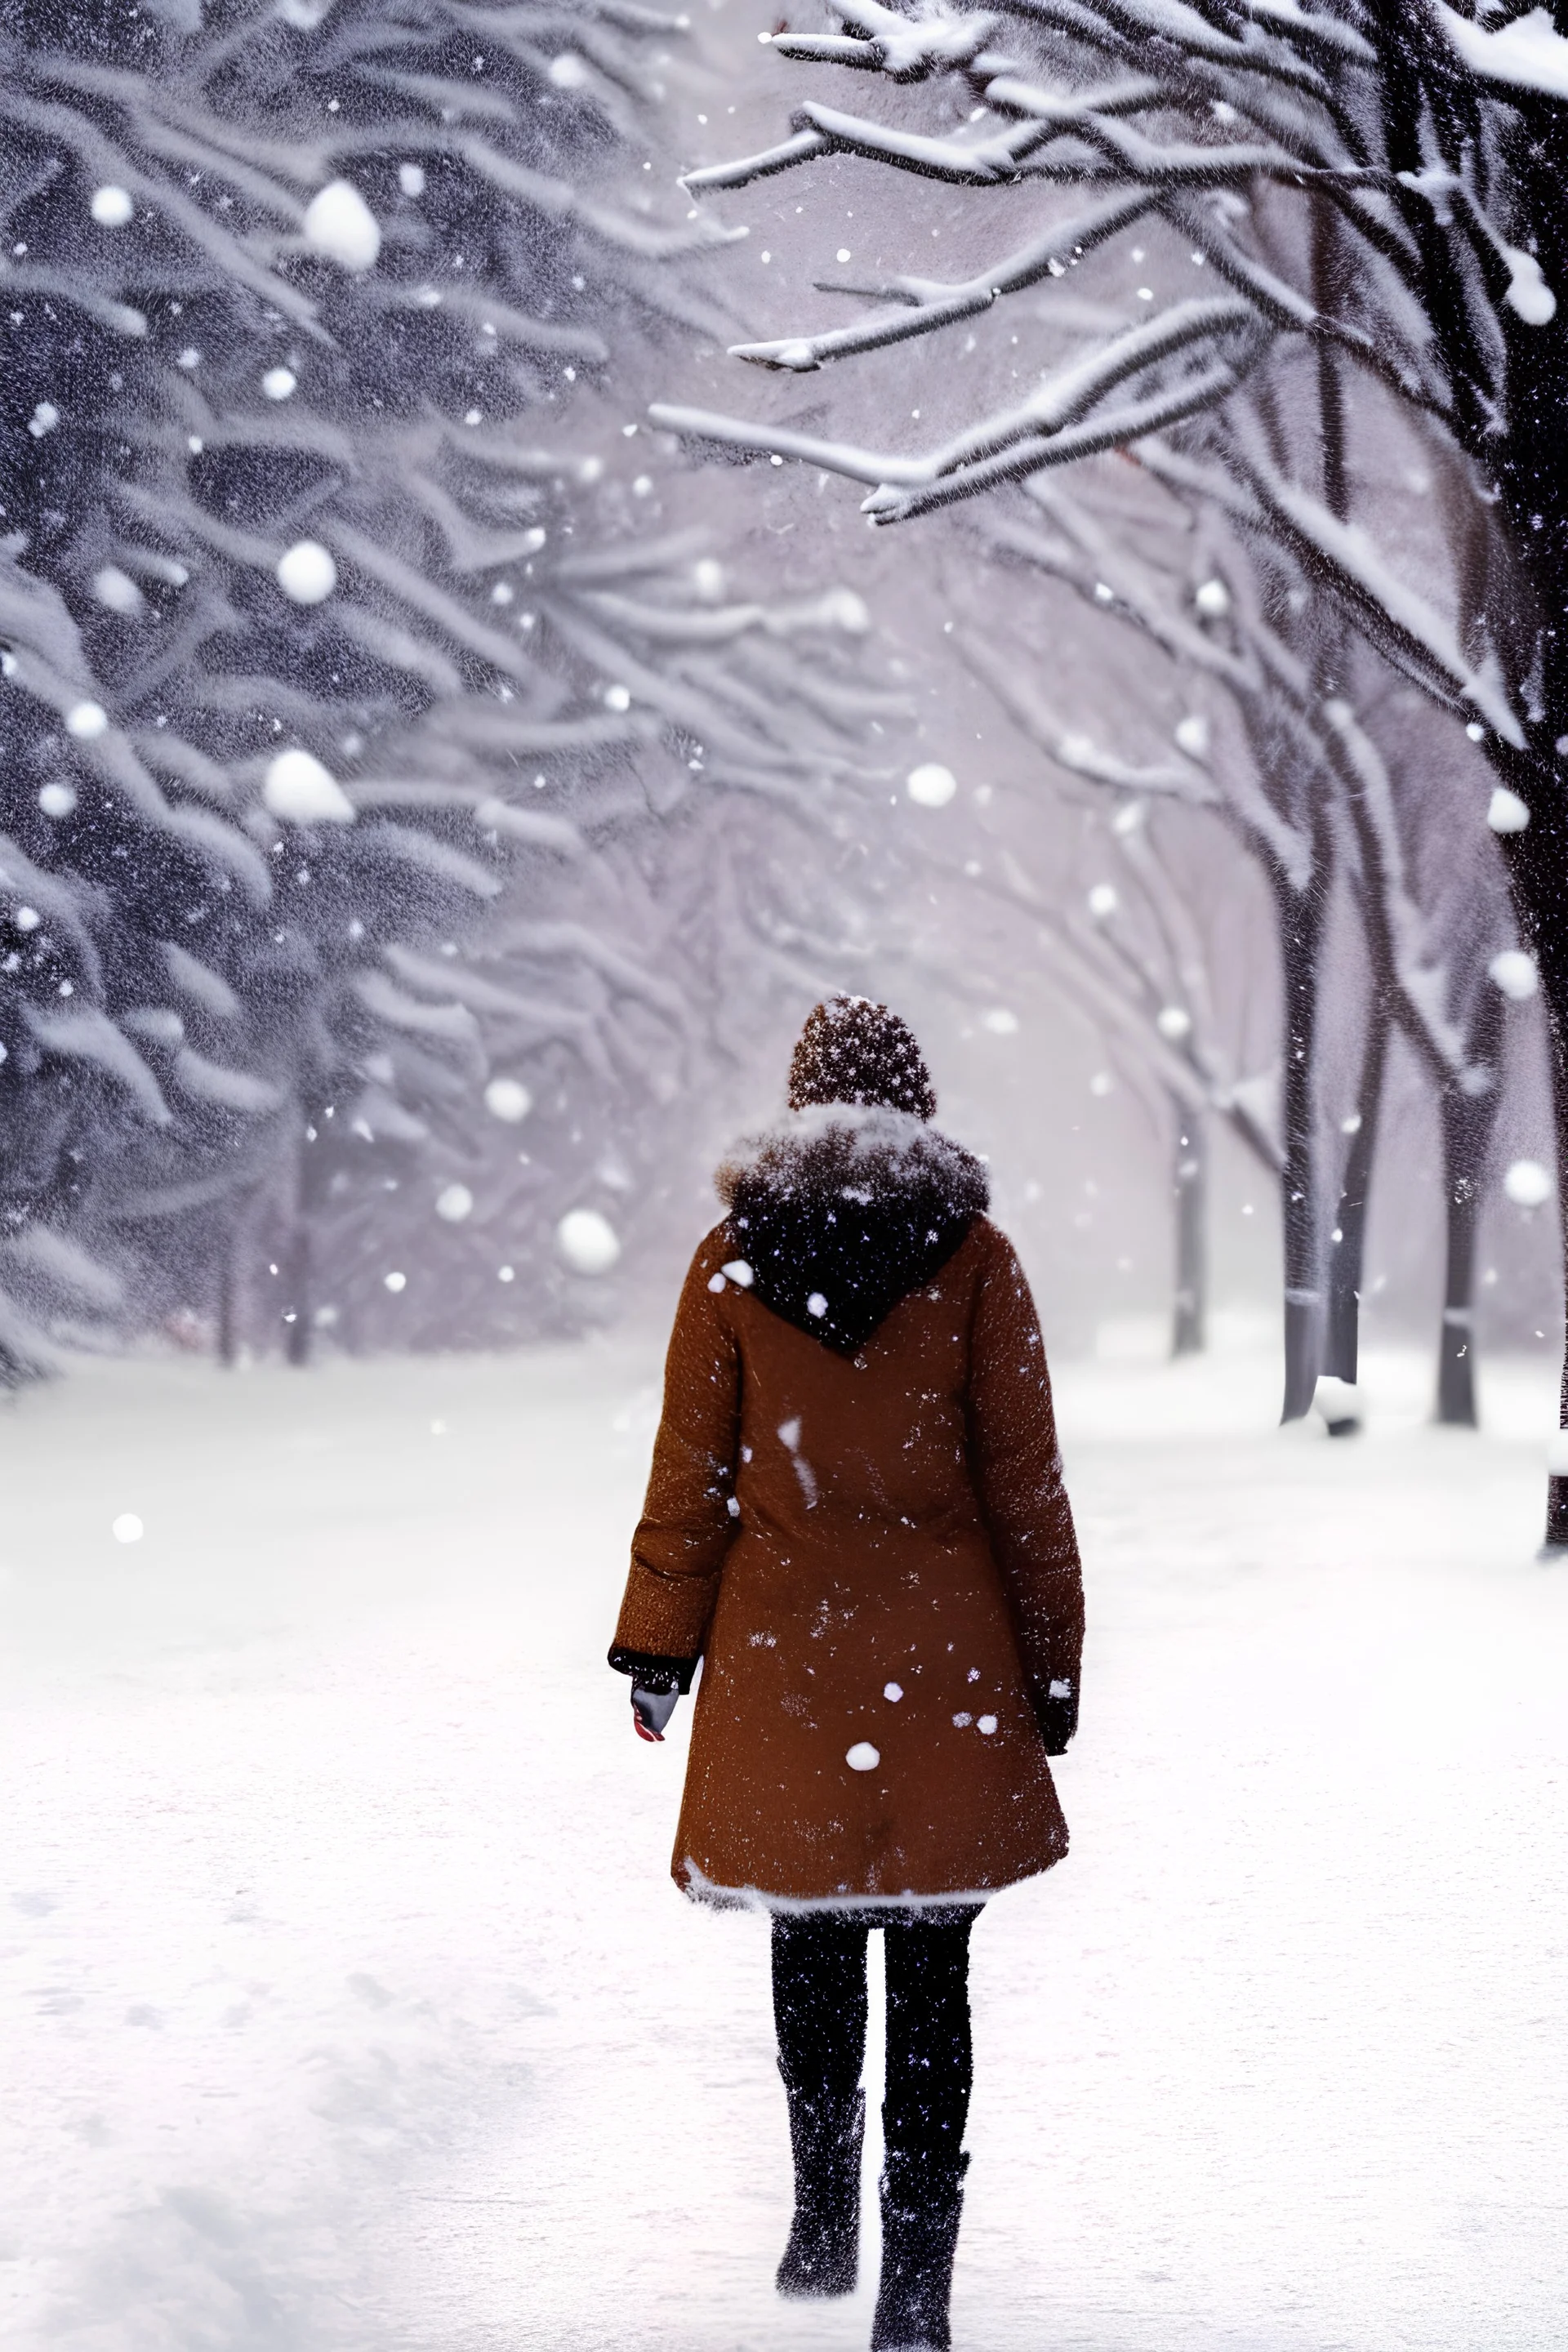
841, 1210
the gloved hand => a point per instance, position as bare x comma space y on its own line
657, 1683
1056, 1712
651, 1711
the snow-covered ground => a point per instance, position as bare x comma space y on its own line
347, 2007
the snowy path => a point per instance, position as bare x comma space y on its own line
346, 2007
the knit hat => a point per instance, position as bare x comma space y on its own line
852, 1050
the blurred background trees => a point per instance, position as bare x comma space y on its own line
372, 735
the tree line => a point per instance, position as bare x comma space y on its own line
1344, 221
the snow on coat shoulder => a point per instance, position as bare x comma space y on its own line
878, 1147
841, 1210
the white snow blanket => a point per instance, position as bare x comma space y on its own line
347, 2006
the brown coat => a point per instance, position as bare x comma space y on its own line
874, 1555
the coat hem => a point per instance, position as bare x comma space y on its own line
694, 1882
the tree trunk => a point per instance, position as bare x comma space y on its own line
1468, 1116
297, 1312
1536, 858
1190, 1328
297, 1266
1340, 1339
1301, 916
1455, 1351
231, 1291
1348, 1241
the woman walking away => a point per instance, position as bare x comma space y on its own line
856, 1520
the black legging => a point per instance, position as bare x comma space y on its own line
819, 2007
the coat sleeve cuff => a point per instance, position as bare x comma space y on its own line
1055, 1711
652, 1673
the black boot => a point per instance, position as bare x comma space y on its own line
921, 2200
823, 2256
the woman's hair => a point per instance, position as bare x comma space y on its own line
854, 1051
